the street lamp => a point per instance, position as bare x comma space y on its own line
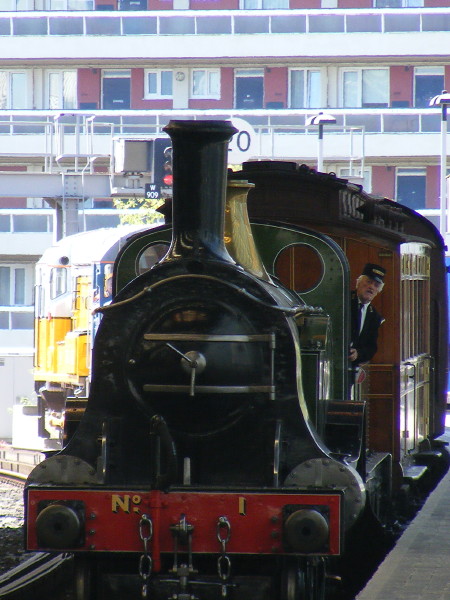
443, 100
321, 119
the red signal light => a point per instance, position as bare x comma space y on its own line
168, 179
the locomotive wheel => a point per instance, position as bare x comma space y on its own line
292, 582
315, 578
82, 579
303, 581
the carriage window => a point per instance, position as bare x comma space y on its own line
58, 281
415, 300
150, 256
299, 267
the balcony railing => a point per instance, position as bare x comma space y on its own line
223, 22
87, 136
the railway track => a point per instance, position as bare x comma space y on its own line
41, 577
17, 463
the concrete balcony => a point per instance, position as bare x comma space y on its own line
189, 35
79, 141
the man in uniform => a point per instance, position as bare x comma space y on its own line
365, 318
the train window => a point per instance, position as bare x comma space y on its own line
58, 281
415, 298
150, 256
107, 287
299, 267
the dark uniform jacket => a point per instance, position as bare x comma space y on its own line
366, 341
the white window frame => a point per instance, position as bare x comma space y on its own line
159, 77
209, 92
7, 79
434, 70
307, 88
263, 4
401, 4
63, 86
359, 73
17, 5
26, 287
59, 282
69, 5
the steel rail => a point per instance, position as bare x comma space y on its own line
44, 575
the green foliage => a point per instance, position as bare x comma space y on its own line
145, 214
25, 401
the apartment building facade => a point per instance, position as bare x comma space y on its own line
75, 75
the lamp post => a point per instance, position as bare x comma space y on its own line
321, 119
443, 100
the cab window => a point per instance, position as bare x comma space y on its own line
58, 282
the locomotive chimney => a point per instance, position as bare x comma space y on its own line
199, 159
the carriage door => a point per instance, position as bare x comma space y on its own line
416, 366
116, 90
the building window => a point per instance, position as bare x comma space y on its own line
17, 5
263, 4
13, 89
69, 5
398, 3
48, 5
16, 320
158, 84
411, 188
365, 88
26, 223
304, 89
428, 82
62, 89
13, 281
205, 83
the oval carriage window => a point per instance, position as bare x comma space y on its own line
299, 267
150, 256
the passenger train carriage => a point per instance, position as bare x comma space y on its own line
223, 453
406, 389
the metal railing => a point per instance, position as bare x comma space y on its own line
231, 22
87, 136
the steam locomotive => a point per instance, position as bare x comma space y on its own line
221, 453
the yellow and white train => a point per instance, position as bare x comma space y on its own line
73, 277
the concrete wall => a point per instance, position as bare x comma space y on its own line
16, 381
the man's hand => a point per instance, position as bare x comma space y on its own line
353, 354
